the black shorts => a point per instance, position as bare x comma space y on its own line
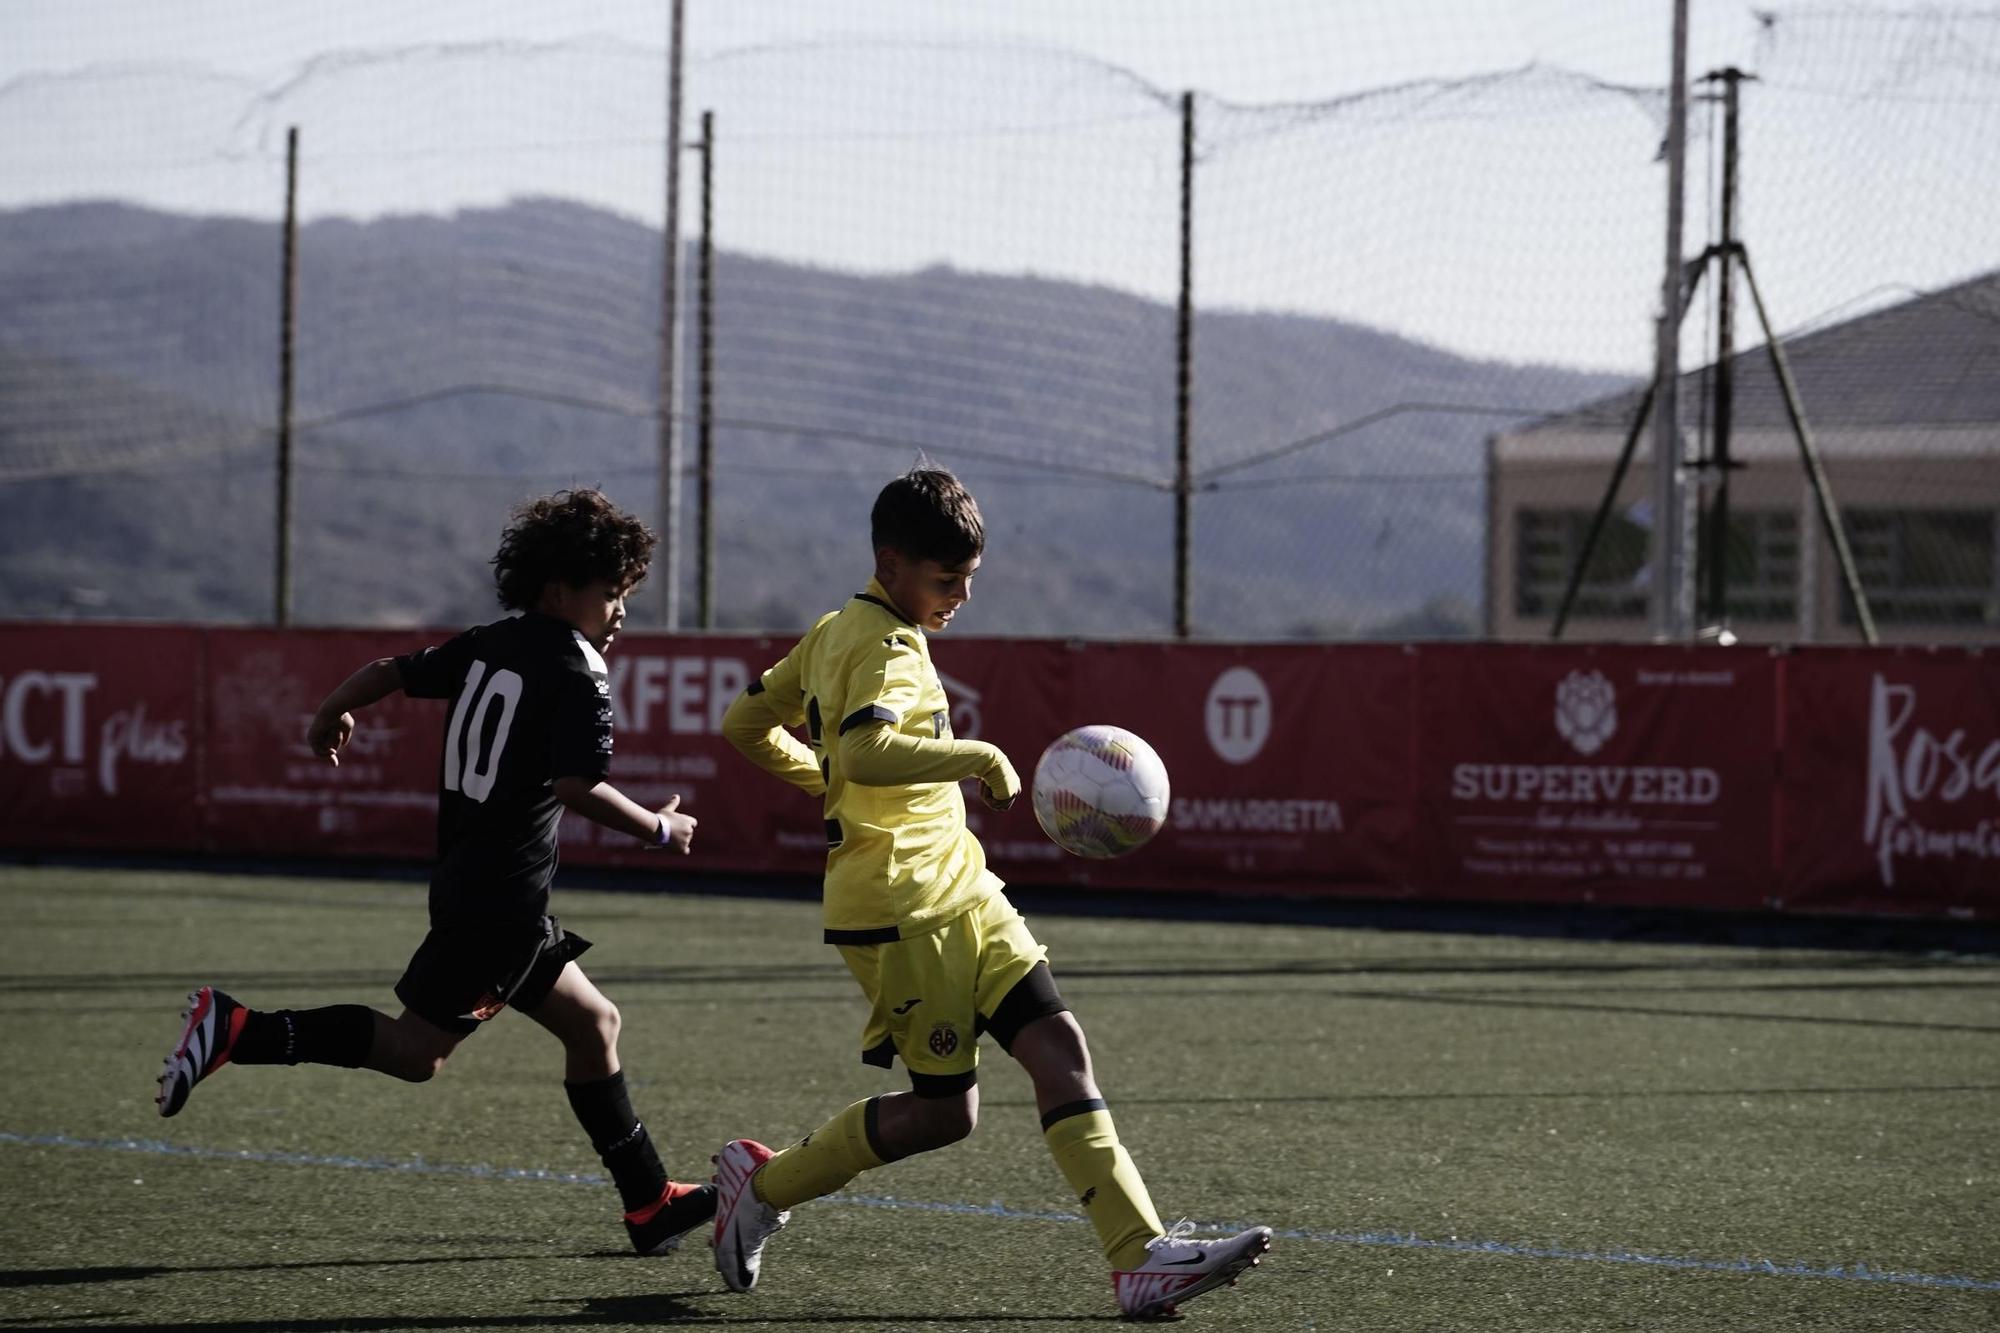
462, 975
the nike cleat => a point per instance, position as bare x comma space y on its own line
743, 1222
1179, 1268
213, 1023
658, 1227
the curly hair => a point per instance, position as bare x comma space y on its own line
928, 514
572, 537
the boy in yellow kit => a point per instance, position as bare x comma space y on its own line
922, 923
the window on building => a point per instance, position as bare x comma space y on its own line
1926, 566
1763, 570
1762, 573
1546, 546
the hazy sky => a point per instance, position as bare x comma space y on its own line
1241, 49
1519, 216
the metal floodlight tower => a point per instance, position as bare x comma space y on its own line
1673, 542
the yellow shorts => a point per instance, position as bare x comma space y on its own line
928, 995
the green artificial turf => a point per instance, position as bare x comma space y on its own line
1448, 1131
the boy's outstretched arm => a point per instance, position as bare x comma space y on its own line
754, 726
602, 803
333, 725
879, 756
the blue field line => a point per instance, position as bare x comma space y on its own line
1859, 1272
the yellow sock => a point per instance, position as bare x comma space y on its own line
822, 1161
1085, 1145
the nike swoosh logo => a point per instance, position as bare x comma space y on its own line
908, 1005
1199, 1256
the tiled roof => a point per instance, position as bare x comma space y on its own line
1928, 362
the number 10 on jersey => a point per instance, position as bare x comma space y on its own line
467, 734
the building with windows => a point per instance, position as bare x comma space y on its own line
1903, 406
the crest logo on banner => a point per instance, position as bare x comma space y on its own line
1586, 710
1238, 715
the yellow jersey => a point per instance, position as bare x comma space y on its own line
900, 859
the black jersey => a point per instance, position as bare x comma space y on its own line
531, 703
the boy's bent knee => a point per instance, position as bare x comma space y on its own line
411, 1066
410, 1048
598, 1034
941, 1123
582, 1028
924, 1122
1052, 1044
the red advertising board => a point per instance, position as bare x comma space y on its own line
267, 793
668, 695
1826, 779
1624, 776
1890, 797
100, 739
1016, 693
1290, 766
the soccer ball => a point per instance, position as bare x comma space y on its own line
1100, 792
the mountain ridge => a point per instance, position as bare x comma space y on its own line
1038, 390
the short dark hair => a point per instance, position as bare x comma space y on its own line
928, 514
572, 537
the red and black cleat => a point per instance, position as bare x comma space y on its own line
658, 1227
213, 1024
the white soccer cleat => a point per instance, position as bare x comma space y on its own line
1179, 1268
743, 1222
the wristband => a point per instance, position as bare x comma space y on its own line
660, 838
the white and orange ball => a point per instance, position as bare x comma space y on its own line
1100, 792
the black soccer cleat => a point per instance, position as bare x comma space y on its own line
213, 1022
658, 1227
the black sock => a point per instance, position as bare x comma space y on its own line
339, 1034
604, 1109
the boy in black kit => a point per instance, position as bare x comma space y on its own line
528, 735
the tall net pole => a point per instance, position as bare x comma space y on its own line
1725, 359
1184, 383
1672, 582
668, 574
705, 361
288, 316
